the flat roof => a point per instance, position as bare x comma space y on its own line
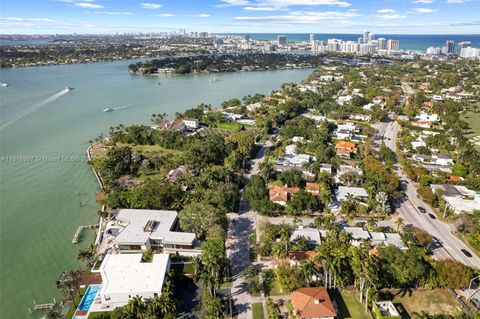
125, 273
135, 232
342, 192
310, 234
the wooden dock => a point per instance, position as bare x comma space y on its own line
78, 234
42, 306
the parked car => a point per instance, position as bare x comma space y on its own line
466, 253
422, 210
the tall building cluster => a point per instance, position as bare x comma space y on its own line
462, 49
364, 45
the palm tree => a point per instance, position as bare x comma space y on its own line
67, 288
53, 314
135, 307
87, 254
279, 250
371, 224
399, 223
308, 270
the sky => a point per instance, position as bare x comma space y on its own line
240, 16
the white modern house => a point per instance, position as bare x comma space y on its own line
342, 192
312, 235
125, 276
459, 198
441, 159
143, 229
191, 123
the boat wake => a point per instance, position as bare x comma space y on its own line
125, 106
18, 116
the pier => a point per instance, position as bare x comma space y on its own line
79, 232
42, 306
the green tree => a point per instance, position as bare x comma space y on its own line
200, 218
454, 274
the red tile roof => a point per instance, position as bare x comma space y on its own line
312, 302
281, 193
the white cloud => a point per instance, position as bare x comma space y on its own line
391, 16
303, 17
424, 1
424, 10
165, 15
30, 19
149, 5
260, 9
280, 4
88, 5
113, 13
456, 1
386, 11
203, 15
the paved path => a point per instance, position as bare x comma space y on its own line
238, 246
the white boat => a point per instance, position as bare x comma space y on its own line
214, 80
4, 84
68, 88
108, 109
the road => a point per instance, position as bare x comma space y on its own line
238, 245
408, 208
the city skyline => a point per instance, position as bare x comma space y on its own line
237, 16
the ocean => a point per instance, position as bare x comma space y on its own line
417, 42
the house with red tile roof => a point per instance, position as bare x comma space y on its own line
313, 188
345, 149
281, 194
313, 302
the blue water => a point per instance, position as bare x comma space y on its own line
418, 42
89, 297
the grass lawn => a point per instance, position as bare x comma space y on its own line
149, 149
94, 315
291, 312
276, 290
186, 269
257, 310
435, 301
349, 306
473, 120
233, 126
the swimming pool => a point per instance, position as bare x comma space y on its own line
88, 298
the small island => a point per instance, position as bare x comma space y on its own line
217, 63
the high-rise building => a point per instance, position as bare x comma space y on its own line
470, 53
312, 38
461, 45
366, 37
282, 39
393, 45
246, 37
360, 40
449, 47
382, 43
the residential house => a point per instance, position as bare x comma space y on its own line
327, 168
191, 124
418, 143
440, 159
125, 276
345, 149
176, 125
425, 117
281, 194
458, 198
312, 235
358, 235
253, 106
341, 100
342, 193
143, 229
313, 188
421, 124
297, 257
345, 169
313, 302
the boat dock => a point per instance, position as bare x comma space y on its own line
42, 306
79, 232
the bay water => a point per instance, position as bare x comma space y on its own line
46, 186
